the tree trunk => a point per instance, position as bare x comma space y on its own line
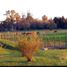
29, 59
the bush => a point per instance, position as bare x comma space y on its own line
29, 45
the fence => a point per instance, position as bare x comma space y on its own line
54, 40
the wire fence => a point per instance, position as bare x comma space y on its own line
54, 40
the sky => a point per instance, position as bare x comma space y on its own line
38, 8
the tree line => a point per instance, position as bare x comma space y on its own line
15, 22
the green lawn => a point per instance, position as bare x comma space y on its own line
42, 58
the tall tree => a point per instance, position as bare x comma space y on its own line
29, 17
45, 18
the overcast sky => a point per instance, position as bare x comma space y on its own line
51, 8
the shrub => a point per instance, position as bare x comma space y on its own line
29, 45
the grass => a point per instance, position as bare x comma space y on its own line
42, 58
55, 57
54, 36
7, 52
8, 42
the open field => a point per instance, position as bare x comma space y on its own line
43, 58
50, 37
10, 56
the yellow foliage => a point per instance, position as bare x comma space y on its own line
29, 45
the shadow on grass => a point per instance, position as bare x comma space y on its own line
10, 47
6, 46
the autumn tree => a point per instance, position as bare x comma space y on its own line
17, 17
29, 17
7, 16
29, 45
12, 16
45, 18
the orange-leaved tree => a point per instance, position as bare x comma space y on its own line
29, 45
